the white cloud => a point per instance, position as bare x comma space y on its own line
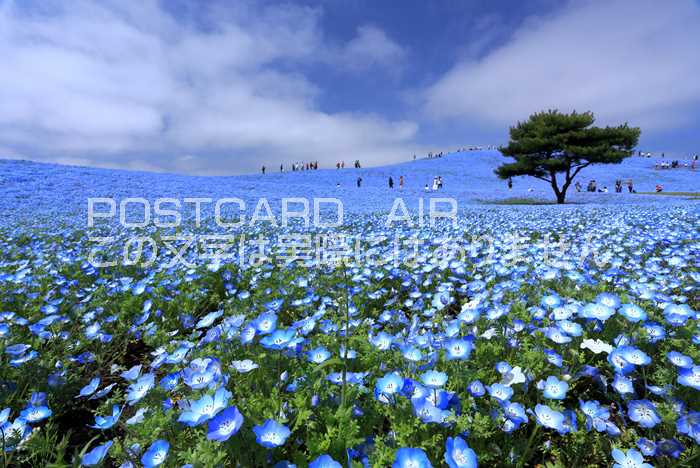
626, 60
371, 47
126, 84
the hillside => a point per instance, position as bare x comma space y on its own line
48, 189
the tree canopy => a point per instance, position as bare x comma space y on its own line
551, 143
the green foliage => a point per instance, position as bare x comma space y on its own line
551, 143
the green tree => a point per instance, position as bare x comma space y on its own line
551, 143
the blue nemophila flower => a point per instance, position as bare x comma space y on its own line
634, 356
458, 454
95, 456
596, 415
279, 339
325, 461
156, 454
225, 424
105, 422
17, 349
131, 374
597, 311
670, 448
503, 367
34, 414
177, 356
209, 319
619, 363
633, 313
205, 408
609, 300
318, 355
202, 373
382, 341
459, 348
434, 379
554, 388
170, 381
104, 392
389, 384
553, 357
411, 458
265, 323
679, 360
500, 392
15, 433
90, 388
476, 389
646, 446
514, 411
137, 417
690, 377
428, 411
550, 301
271, 434
549, 418
411, 353
137, 390
689, 424
244, 366
557, 335
643, 412
623, 385
632, 459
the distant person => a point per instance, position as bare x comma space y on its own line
263, 170
630, 186
281, 167
391, 183
659, 188
577, 185
510, 183
359, 181
401, 183
414, 157
435, 183
439, 181
618, 186
427, 189
337, 185
603, 190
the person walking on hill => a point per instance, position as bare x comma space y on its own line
401, 183
391, 183
359, 181
263, 170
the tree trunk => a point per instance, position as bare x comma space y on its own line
561, 196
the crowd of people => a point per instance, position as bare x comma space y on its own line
676, 164
434, 155
296, 166
593, 186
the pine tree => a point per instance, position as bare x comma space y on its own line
551, 143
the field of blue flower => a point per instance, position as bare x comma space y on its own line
555, 336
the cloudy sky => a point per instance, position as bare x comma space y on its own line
221, 87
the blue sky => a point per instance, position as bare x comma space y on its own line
218, 87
